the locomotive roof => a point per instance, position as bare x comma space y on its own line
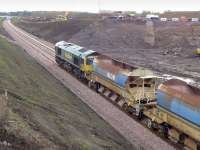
74, 49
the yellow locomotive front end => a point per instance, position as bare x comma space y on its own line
87, 64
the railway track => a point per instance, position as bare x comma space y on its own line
129, 128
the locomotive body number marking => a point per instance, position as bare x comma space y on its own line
68, 56
111, 76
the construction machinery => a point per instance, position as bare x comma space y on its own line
198, 51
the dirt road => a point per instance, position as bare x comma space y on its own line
43, 52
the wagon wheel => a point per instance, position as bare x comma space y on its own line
89, 84
149, 123
198, 146
140, 115
163, 129
96, 87
182, 138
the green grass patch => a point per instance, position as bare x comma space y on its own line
1, 21
14, 20
49, 107
84, 146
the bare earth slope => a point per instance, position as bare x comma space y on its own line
45, 113
62, 30
173, 52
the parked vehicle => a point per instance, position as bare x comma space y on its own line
163, 19
175, 19
152, 17
195, 19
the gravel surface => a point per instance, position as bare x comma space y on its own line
139, 136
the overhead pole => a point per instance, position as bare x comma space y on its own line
99, 5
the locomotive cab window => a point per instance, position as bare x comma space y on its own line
89, 61
81, 61
76, 62
58, 50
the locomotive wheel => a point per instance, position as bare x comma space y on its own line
125, 106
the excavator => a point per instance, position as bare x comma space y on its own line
198, 51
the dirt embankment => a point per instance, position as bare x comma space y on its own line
57, 31
173, 51
43, 114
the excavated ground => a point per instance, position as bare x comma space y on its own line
173, 51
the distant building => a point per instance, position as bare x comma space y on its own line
131, 15
61, 18
163, 19
106, 11
195, 19
175, 19
152, 17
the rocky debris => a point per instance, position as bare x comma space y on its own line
5, 143
194, 41
174, 51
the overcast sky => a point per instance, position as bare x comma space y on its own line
95, 5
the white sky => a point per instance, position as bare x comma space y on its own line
95, 5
